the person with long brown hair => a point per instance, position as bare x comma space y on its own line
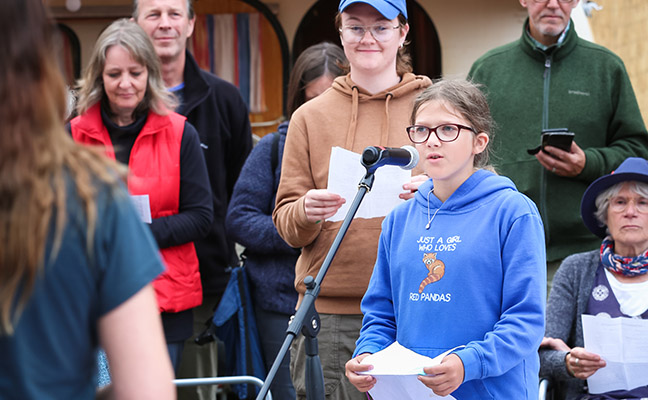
75, 261
269, 260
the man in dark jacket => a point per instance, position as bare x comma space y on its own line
218, 112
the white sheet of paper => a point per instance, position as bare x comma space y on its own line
396, 369
622, 343
346, 171
143, 207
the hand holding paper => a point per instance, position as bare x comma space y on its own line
397, 371
582, 364
320, 204
410, 188
621, 342
446, 377
357, 372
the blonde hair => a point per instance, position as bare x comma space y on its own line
467, 98
130, 36
38, 158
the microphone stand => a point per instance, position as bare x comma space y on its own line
306, 318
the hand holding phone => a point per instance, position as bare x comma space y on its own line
560, 138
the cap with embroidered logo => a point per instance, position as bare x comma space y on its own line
388, 8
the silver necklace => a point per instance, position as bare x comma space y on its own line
433, 215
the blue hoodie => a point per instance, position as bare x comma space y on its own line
476, 277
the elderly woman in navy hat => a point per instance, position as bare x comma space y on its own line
611, 281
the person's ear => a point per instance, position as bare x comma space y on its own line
480, 142
403, 30
523, 3
190, 28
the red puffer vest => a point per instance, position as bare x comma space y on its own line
154, 169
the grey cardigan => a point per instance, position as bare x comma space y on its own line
568, 299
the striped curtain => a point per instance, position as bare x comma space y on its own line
230, 46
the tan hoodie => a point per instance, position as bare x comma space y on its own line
349, 117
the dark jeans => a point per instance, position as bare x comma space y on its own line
175, 353
272, 332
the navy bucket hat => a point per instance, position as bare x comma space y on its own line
632, 169
388, 8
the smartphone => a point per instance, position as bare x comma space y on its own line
560, 138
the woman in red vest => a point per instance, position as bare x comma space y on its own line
124, 107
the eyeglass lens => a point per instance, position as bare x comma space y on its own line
380, 32
619, 204
445, 133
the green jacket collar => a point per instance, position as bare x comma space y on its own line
557, 52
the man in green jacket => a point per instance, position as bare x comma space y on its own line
551, 78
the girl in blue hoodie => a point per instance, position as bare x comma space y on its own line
463, 263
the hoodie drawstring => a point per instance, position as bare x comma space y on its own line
354, 117
384, 135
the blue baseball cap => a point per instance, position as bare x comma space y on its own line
388, 8
632, 169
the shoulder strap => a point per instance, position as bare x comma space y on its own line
274, 155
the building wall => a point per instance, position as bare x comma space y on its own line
469, 28
621, 27
466, 28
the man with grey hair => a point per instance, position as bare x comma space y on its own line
550, 79
216, 109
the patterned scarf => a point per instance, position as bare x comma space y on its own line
628, 266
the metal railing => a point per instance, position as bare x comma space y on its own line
225, 380
543, 390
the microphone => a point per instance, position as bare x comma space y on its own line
374, 157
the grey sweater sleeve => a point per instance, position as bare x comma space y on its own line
568, 299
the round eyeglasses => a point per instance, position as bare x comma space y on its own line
619, 204
380, 32
445, 133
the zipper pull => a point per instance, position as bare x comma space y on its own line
547, 66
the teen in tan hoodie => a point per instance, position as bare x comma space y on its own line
368, 107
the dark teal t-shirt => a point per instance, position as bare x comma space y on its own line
53, 352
